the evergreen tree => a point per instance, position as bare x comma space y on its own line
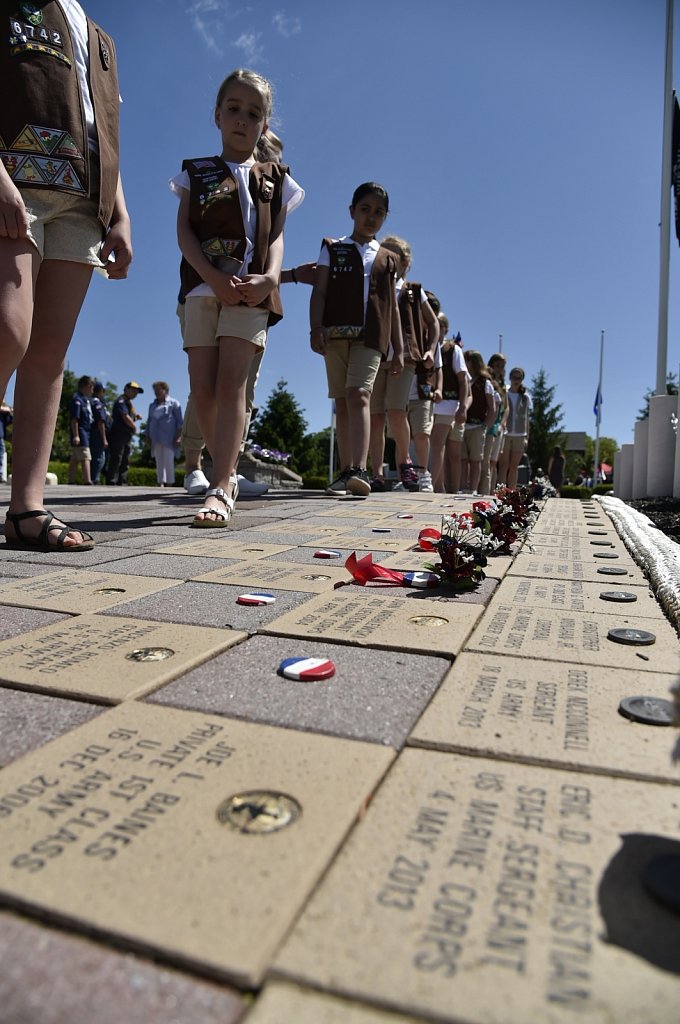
281, 425
671, 389
546, 422
314, 458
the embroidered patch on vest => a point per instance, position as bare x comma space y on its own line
36, 157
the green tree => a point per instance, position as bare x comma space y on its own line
281, 425
671, 389
315, 455
546, 422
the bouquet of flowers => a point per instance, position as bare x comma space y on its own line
460, 549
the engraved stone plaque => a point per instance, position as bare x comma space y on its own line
485, 891
88, 656
545, 713
77, 590
236, 546
575, 596
289, 1004
375, 618
576, 637
281, 575
116, 829
545, 566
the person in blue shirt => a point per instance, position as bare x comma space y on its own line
80, 412
98, 440
164, 430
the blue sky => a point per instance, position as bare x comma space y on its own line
520, 144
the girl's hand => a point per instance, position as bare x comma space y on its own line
437, 397
428, 359
397, 364
317, 340
253, 288
119, 242
13, 218
225, 287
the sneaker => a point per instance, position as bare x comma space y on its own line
251, 488
339, 485
425, 481
196, 482
409, 477
378, 484
358, 482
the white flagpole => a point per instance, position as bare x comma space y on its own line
596, 459
666, 160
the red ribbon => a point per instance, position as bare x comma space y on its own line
428, 539
364, 571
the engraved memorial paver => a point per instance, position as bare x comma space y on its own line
373, 695
106, 658
577, 596
579, 637
282, 575
280, 1003
484, 891
237, 546
558, 714
77, 590
377, 619
181, 833
545, 566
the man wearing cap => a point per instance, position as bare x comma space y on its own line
98, 440
123, 429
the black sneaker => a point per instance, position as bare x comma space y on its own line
339, 485
358, 482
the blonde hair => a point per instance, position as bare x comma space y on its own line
269, 146
400, 246
444, 324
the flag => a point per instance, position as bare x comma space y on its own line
675, 169
598, 401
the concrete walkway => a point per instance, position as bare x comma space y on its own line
475, 819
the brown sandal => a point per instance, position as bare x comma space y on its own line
42, 542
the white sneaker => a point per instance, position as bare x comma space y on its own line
425, 481
196, 482
247, 486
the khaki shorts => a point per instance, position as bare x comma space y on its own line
514, 443
350, 364
64, 227
492, 447
80, 453
421, 416
473, 443
456, 432
392, 392
206, 320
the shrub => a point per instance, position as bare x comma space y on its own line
314, 483
603, 489
575, 492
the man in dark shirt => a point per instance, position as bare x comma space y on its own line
98, 440
123, 429
80, 412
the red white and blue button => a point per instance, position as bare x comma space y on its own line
421, 579
255, 599
327, 553
404, 515
307, 669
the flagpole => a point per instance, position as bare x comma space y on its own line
598, 416
665, 239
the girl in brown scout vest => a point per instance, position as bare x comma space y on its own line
62, 213
230, 230
353, 317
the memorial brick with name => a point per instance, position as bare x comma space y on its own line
282, 575
548, 713
577, 596
178, 833
375, 618
280, 1003
237, 547
107, 659
577, 637
77, 590
480, 890
545, 566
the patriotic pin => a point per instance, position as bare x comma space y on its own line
421, 579
255, 599
404, 515
327, 554
307, 669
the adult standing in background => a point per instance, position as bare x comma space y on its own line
80, 415
123, 428
164, 430
101, 421
556, 468
62, 212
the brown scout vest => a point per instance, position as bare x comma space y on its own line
43, 134
477, 409
413, 325
344, 305
449, 378
216, 219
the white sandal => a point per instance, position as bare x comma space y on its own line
223, 517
